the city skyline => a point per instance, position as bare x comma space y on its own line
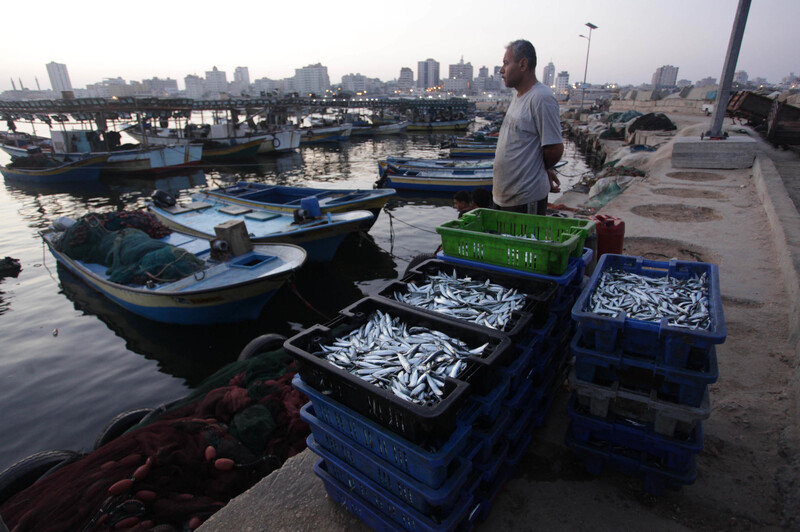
633, 39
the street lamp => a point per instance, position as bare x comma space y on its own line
586, 68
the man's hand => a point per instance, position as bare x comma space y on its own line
555, 184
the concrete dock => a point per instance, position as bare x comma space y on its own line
744, 220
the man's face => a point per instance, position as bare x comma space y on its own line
511, 70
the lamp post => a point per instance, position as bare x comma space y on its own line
586, 68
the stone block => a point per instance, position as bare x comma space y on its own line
729, 153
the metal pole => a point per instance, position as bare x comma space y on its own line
586, 68
723, 92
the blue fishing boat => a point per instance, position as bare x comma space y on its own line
287, 199
426, 164
434, 179
43, 169
218, 290
319, 234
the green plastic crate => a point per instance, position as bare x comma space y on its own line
478, 236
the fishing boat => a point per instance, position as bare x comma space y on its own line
71, 145
435, 179
437, 125
221, 141
321, 134
381, 129
320, 235
474, 150
18, 143
424, 164
287, 199
221, 290
44, 169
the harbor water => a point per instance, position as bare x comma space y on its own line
71, 360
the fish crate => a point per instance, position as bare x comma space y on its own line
597, 455
493, 464
670, 453
681, 386
486, 435
487, 492
377, 509
538, 293
417, 423
676, 345
489, 405
430, 465
526, 242
434, 502
664, 417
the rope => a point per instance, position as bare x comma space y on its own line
293, 288
391, 217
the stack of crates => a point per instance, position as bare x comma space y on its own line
640, 388
396, 467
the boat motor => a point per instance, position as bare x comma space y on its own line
220, 249
162, 199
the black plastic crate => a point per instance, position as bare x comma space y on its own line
417, 423
539, 293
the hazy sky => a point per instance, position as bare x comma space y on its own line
172, 38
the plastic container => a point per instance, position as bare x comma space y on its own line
610, 234
539, 293
360, 464
677, 346
665, 418
670, 453
311, 205
485, 436
633, 463
682, 386
430, 466
414, 422
380, 511
480, 235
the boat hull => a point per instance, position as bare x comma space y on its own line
79, 171
319, 135
437, 126
287, 199
433, 184
202, 306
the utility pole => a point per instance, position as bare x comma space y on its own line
723, 92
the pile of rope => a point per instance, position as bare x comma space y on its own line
173, 472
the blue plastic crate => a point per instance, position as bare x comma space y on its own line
530, 349
516, 450
490, 467
380, 511
429, 466
666, 418
676, 346
682, 386
632, 463
554, 353
671, 453
487, 493
576, 266
411, 492
488, 406
485, 435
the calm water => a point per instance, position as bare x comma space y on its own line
71, 360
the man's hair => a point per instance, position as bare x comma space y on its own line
523, 49
482, 198
462, 195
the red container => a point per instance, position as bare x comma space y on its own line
610, 234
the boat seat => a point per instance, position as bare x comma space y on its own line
234, 210
261, 216
189, 207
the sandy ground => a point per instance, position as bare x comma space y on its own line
747, 475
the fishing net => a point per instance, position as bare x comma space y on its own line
176, 471
126, 244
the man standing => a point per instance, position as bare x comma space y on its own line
530, 138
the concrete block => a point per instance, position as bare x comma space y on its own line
730, 153
235, 233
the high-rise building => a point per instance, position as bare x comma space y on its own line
706, 82
354, 83
160, 86
428, 73
59, 77
562, 81
549, 74
195, 86
665, 77
242, 75
216, 81
406, 80
311, 79
461, 70
740, 77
